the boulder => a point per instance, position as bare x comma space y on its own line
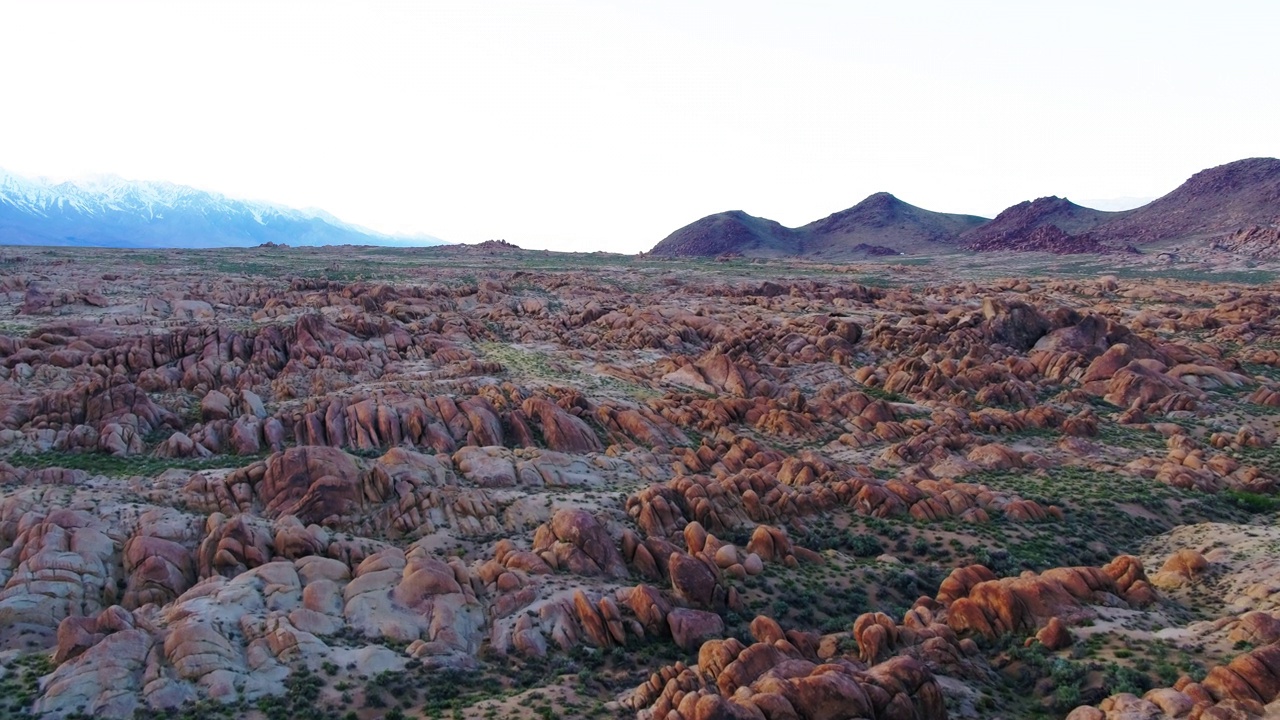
689, 628
314, 484
575, 540
215, 405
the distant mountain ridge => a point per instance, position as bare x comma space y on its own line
879, 225
107, 211
1212, 205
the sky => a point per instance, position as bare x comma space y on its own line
600, 125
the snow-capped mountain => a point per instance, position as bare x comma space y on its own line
107, 211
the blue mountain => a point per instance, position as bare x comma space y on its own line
108, 211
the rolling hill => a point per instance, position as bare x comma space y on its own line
1211, 206
731, 232
879, 225
1051, 224
885, 221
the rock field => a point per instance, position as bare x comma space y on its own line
485, 482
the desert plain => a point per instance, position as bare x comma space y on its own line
481, 481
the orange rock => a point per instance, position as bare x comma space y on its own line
1186, 562
695, 537
1054, 635
961, 580
875, 633
592, 623
770, 543
766, 629
1257, 628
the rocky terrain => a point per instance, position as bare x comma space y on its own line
487, 482
1233, 208
1049, 224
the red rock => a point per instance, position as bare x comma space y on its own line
749, 664
578, 539
995, 457
695, 581
695, 537
315, 484
246, 436
159, 571
961, 581
215, 405
650, 608
562, 431
689, 628
1105, 366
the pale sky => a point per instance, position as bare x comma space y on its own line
606, 125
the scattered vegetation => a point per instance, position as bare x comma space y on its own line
96, 463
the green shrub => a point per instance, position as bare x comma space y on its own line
865, 545
1253, 502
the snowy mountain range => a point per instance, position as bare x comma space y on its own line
107, 211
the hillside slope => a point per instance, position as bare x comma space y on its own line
730, 232
883, 220
1213, 203
1051, 224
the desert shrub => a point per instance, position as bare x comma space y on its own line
1252, 502
1066, 698
865, 545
